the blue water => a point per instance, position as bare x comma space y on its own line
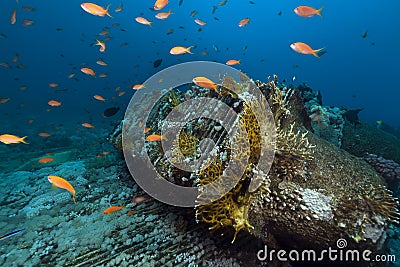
356, 72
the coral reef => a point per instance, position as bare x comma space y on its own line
363, 138
314, 194
388, 169
61, 233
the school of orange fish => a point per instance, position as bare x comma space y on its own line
97, 10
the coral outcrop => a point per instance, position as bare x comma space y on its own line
314, 193
387, 168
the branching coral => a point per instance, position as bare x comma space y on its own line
186, 143
228, 211
292, 148
380, 201
293, 144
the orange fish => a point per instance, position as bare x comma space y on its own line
179, 50
103, 32
138, 86
54, 103
112, 209
129, 213
44, 134
101, 63
163, 15
232, 62
154, 138
62, 183
140, 199
27, 22
307, 12
15, 58
5, 65
102, 75
53, 84
146, 129
99, 97
160, 4
200, 22
143, 21
12, 139
303, 48
244, 22
206, 83
45, 160
13, 17
28, 8
95, 9
119, 9
88, 71
121, 93
102, 45
4, 100
87, 125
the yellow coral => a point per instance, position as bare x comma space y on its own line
231, 209
293, 147
228, 211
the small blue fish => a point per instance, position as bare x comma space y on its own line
12, 233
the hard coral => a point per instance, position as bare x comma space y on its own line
389, 169
292, 147
380, 201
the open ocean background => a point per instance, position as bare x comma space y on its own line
356, 72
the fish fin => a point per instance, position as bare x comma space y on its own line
108, 14
319, 52
23, 139
188, 49
73, 198
319, 11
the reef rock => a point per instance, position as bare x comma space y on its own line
313, 195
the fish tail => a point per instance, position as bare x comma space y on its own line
319, 52
319, 11
108, 14
23, 139
73, 198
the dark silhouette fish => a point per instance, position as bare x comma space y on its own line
110, 112
364, 35
352, 116
15, 232
157, 63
